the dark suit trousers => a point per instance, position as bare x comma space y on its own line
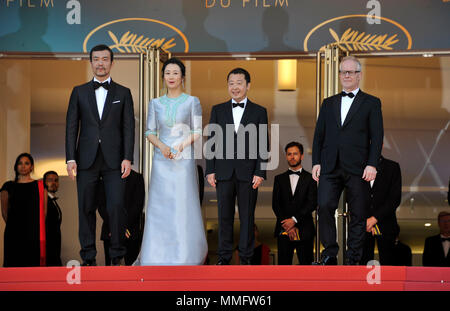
286, 251
227, 192
330, 188
386, 249
87, 183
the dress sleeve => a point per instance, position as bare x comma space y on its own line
196, 117
7, 186
151, 119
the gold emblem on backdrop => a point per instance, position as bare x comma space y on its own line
358, 40
128, 41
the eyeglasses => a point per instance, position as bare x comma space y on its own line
349, 72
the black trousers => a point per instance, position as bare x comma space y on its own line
227, 193
87, 184
286, 248
358, 196
133, 247
386, 249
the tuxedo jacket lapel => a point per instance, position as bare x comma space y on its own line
299, 183
108, 101
229, 113
287, 185
337, 109
93, 101
247, 111
354, 107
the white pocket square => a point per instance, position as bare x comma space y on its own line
116, 102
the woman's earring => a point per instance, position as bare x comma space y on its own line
182, 83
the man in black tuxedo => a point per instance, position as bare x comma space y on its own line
381, 225
100, 144
294, 198
52, 221
436, 251
346, 148
235, 166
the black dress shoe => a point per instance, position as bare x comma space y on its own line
245, 262
117, 261
222, 262
328, 261
88, 263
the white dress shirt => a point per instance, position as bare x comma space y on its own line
294, 181
238, 112
346, 103
100, 96
445, 245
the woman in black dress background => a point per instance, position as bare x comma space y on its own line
20, 211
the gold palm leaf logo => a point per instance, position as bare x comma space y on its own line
352, 40
131, 43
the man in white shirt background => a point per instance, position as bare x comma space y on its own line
294, 198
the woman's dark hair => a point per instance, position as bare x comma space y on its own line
101, 47
239, 71
17, 163
294, 144
175, 61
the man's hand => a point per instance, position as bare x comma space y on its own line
316, 172
292, 234
370, 223
257, 181
370, 173
72, 169
211, 178
125, 168
288, 224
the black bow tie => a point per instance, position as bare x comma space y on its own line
445, 239
54, 198
238, 104
295, 173
351, 95
104, 84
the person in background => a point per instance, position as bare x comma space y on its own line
381, 223
20, 201
294, 198
53, 220
134, 204
436, 250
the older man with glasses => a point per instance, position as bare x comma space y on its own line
346, 148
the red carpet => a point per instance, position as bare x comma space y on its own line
228, 278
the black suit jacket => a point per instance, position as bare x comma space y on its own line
250, 164
386, 195
433, 253
53, 233
134, 204
85, 131
300, 205
357, 143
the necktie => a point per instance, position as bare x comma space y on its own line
295, 173
445, 239
97, 84
238, 104
351, 95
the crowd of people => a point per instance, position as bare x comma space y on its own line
100, 134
